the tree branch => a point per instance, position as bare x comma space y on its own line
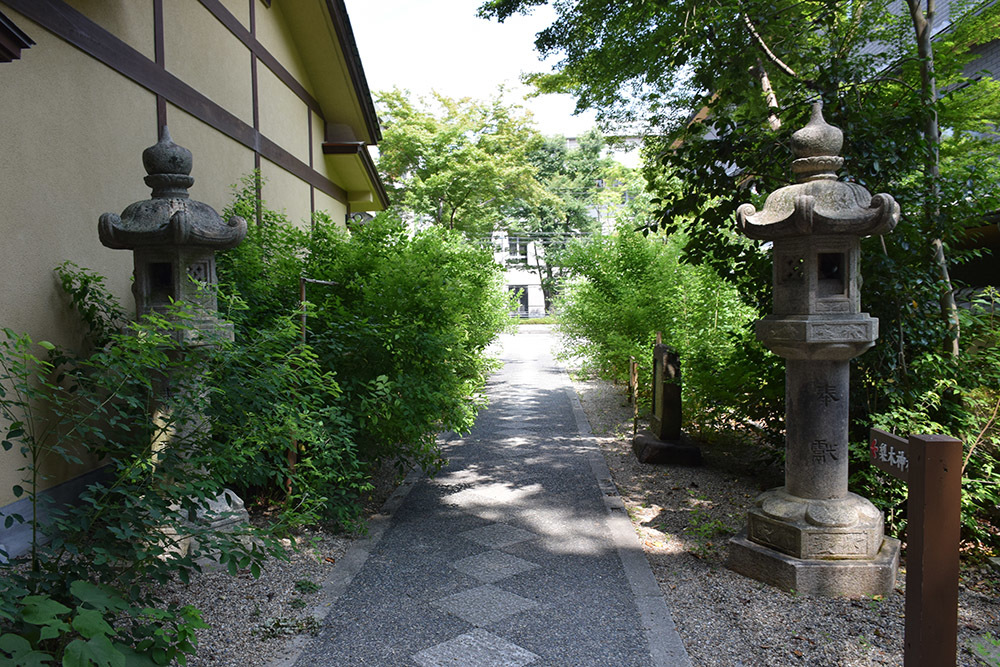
770, 55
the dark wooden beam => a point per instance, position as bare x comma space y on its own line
12, 40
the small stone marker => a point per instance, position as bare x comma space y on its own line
931, 466
666, 422
665, 443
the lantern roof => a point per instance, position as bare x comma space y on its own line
170, 218
818, 203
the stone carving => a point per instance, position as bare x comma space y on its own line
817, 326
840, 332
826, 392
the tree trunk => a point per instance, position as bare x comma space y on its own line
772, 100
922, 23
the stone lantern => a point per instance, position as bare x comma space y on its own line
812, 535
174, 239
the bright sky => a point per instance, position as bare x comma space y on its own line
424, 45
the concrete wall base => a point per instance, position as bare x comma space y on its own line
821, 578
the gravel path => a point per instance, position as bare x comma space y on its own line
684, 517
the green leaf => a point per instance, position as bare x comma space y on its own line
97, 651
46, 345
102, 598
17, 490
90, 623
15, 646
42, 610
134, 658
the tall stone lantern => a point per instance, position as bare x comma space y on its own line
812, 535
174, 239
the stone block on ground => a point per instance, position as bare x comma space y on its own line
650, 449
817, 577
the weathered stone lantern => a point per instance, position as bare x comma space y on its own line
812, 535
174, 239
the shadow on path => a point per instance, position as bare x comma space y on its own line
510, 555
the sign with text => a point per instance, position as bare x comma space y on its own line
931, 466
890, 453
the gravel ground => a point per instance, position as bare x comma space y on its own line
684, 517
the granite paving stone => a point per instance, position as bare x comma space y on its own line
509, 556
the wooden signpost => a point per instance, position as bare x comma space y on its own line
931, 466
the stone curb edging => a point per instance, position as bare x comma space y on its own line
665, 645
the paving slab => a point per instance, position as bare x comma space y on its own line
519, 552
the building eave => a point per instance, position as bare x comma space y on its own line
365, 191
352, 57
12, 40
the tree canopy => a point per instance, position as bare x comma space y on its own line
463, 164
720, 86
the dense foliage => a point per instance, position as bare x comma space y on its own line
722, 86
462, 164
588, 191
625, 288
88, 593
395, 350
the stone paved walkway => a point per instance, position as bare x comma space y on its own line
517, 553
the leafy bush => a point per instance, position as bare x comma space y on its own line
406, 327
958, 396
395, 351
626, 287
88, 590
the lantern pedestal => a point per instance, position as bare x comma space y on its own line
817, 577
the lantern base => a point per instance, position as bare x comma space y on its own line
817, 577
848, 528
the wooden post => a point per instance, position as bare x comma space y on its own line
633, 379
933, 531
931, 466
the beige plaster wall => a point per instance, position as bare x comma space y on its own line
129, 20
273, 34
284, 118
221, 70
333, 208
219, 162
318, 137
284, 192
77, 156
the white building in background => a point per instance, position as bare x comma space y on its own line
522, 259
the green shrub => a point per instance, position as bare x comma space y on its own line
957, 396
406, 328
89, 587
395, 352
626, 287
